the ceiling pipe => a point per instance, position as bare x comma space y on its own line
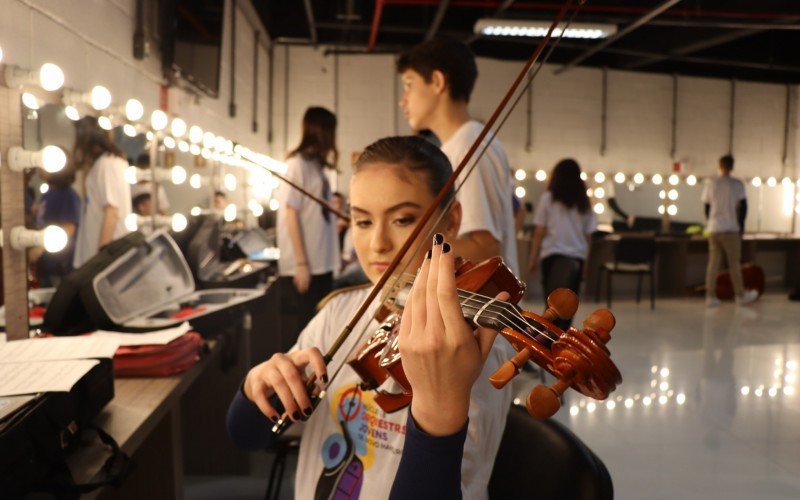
376, 21
312, 28
697, 46
437, 20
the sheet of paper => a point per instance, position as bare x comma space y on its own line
42, 376
160, 337
53, 348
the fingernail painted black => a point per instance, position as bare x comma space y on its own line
296, 415
428, 254
438, 239
325, 378
307, 411
446, 248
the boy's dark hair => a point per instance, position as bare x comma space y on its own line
448, 55
220, 193
415, 154
567, 187
726, 162
138, 200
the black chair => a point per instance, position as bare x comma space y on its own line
632, 255
542, 459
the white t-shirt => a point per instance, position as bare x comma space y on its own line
105, 186
319, 234
723, 194
485, 195
566, 228
350, 444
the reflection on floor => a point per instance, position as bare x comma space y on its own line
709, 406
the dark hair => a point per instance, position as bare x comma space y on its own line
448, 55
220, 193
337, 194
62, 179
319, 137
567, 187
414, 153
138, 199
726, 162
143, 160
92, 142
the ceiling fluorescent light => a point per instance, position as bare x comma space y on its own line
523, 28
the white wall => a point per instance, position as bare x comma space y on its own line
92, 41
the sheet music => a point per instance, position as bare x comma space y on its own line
42, 376
160, 337
57, 348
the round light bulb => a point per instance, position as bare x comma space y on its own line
662, 194
230, 213
599, 177
541, 175
158, 120
72, 113
786, 182
520, 174
195, 181
584, 176
599, 193
195, 134
772, 182
53, 159
194, 149
657, 179
674, 180
100, 98
673, 194
44, 188
599, 208
178, 175
619, 178
178, 127
179, 223
219, 143
256, 208
105, 123
672, 210
169, 142
756, 182
55, 239
30, 101
195, 211
149, 135
230, 182
274, 204
131, 222
638, 178
134, 110
661, 210
129, 130
208, 140
130, 175
51, 77
520, 192
691, 180
183, 146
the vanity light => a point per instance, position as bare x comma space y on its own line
105, 123
691, 180
178, 127
599, 208
772, 182
178, 175
183, 146
134, 111
519, 192
756, 181
638, 178
599, 177
208, 140
195, 211
129, 130
541, 175
169, 142
274, 204
98, 98
230, 213
657, 179
44, 188
255, 207
72, 113
672, 210
179, 222
520, 174
52, 238
30, 101
230, 182
49, 77
52, 159
158, 120
619, 178
195, 134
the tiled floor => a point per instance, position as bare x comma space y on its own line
709, 407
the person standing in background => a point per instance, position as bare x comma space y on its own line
564, 223
725, 204
60, 206
306, 231
107, 200
438, 77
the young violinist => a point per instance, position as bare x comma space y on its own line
306, 231
438, 77
350, 446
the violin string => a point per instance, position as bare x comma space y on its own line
507, 305
510, 322
485, 145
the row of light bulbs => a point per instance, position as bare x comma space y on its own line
187, 139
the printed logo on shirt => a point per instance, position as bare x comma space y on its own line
347, 455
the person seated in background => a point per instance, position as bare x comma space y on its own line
142, 204
60, 206
220, 200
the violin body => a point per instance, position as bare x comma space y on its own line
578, 358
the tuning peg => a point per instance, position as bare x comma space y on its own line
543, 402
510, 368
600, 322
562, 303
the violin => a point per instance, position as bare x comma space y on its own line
577, 358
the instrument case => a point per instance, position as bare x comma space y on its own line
150, 287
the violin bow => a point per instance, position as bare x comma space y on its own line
327, 206
429, 212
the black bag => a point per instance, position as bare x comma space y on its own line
35, 437
73, 305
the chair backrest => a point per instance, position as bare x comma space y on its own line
542, 459
635, 250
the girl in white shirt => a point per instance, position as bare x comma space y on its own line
107, 195
564, 223
307, 232
351, 448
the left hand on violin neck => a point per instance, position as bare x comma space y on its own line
442, 355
